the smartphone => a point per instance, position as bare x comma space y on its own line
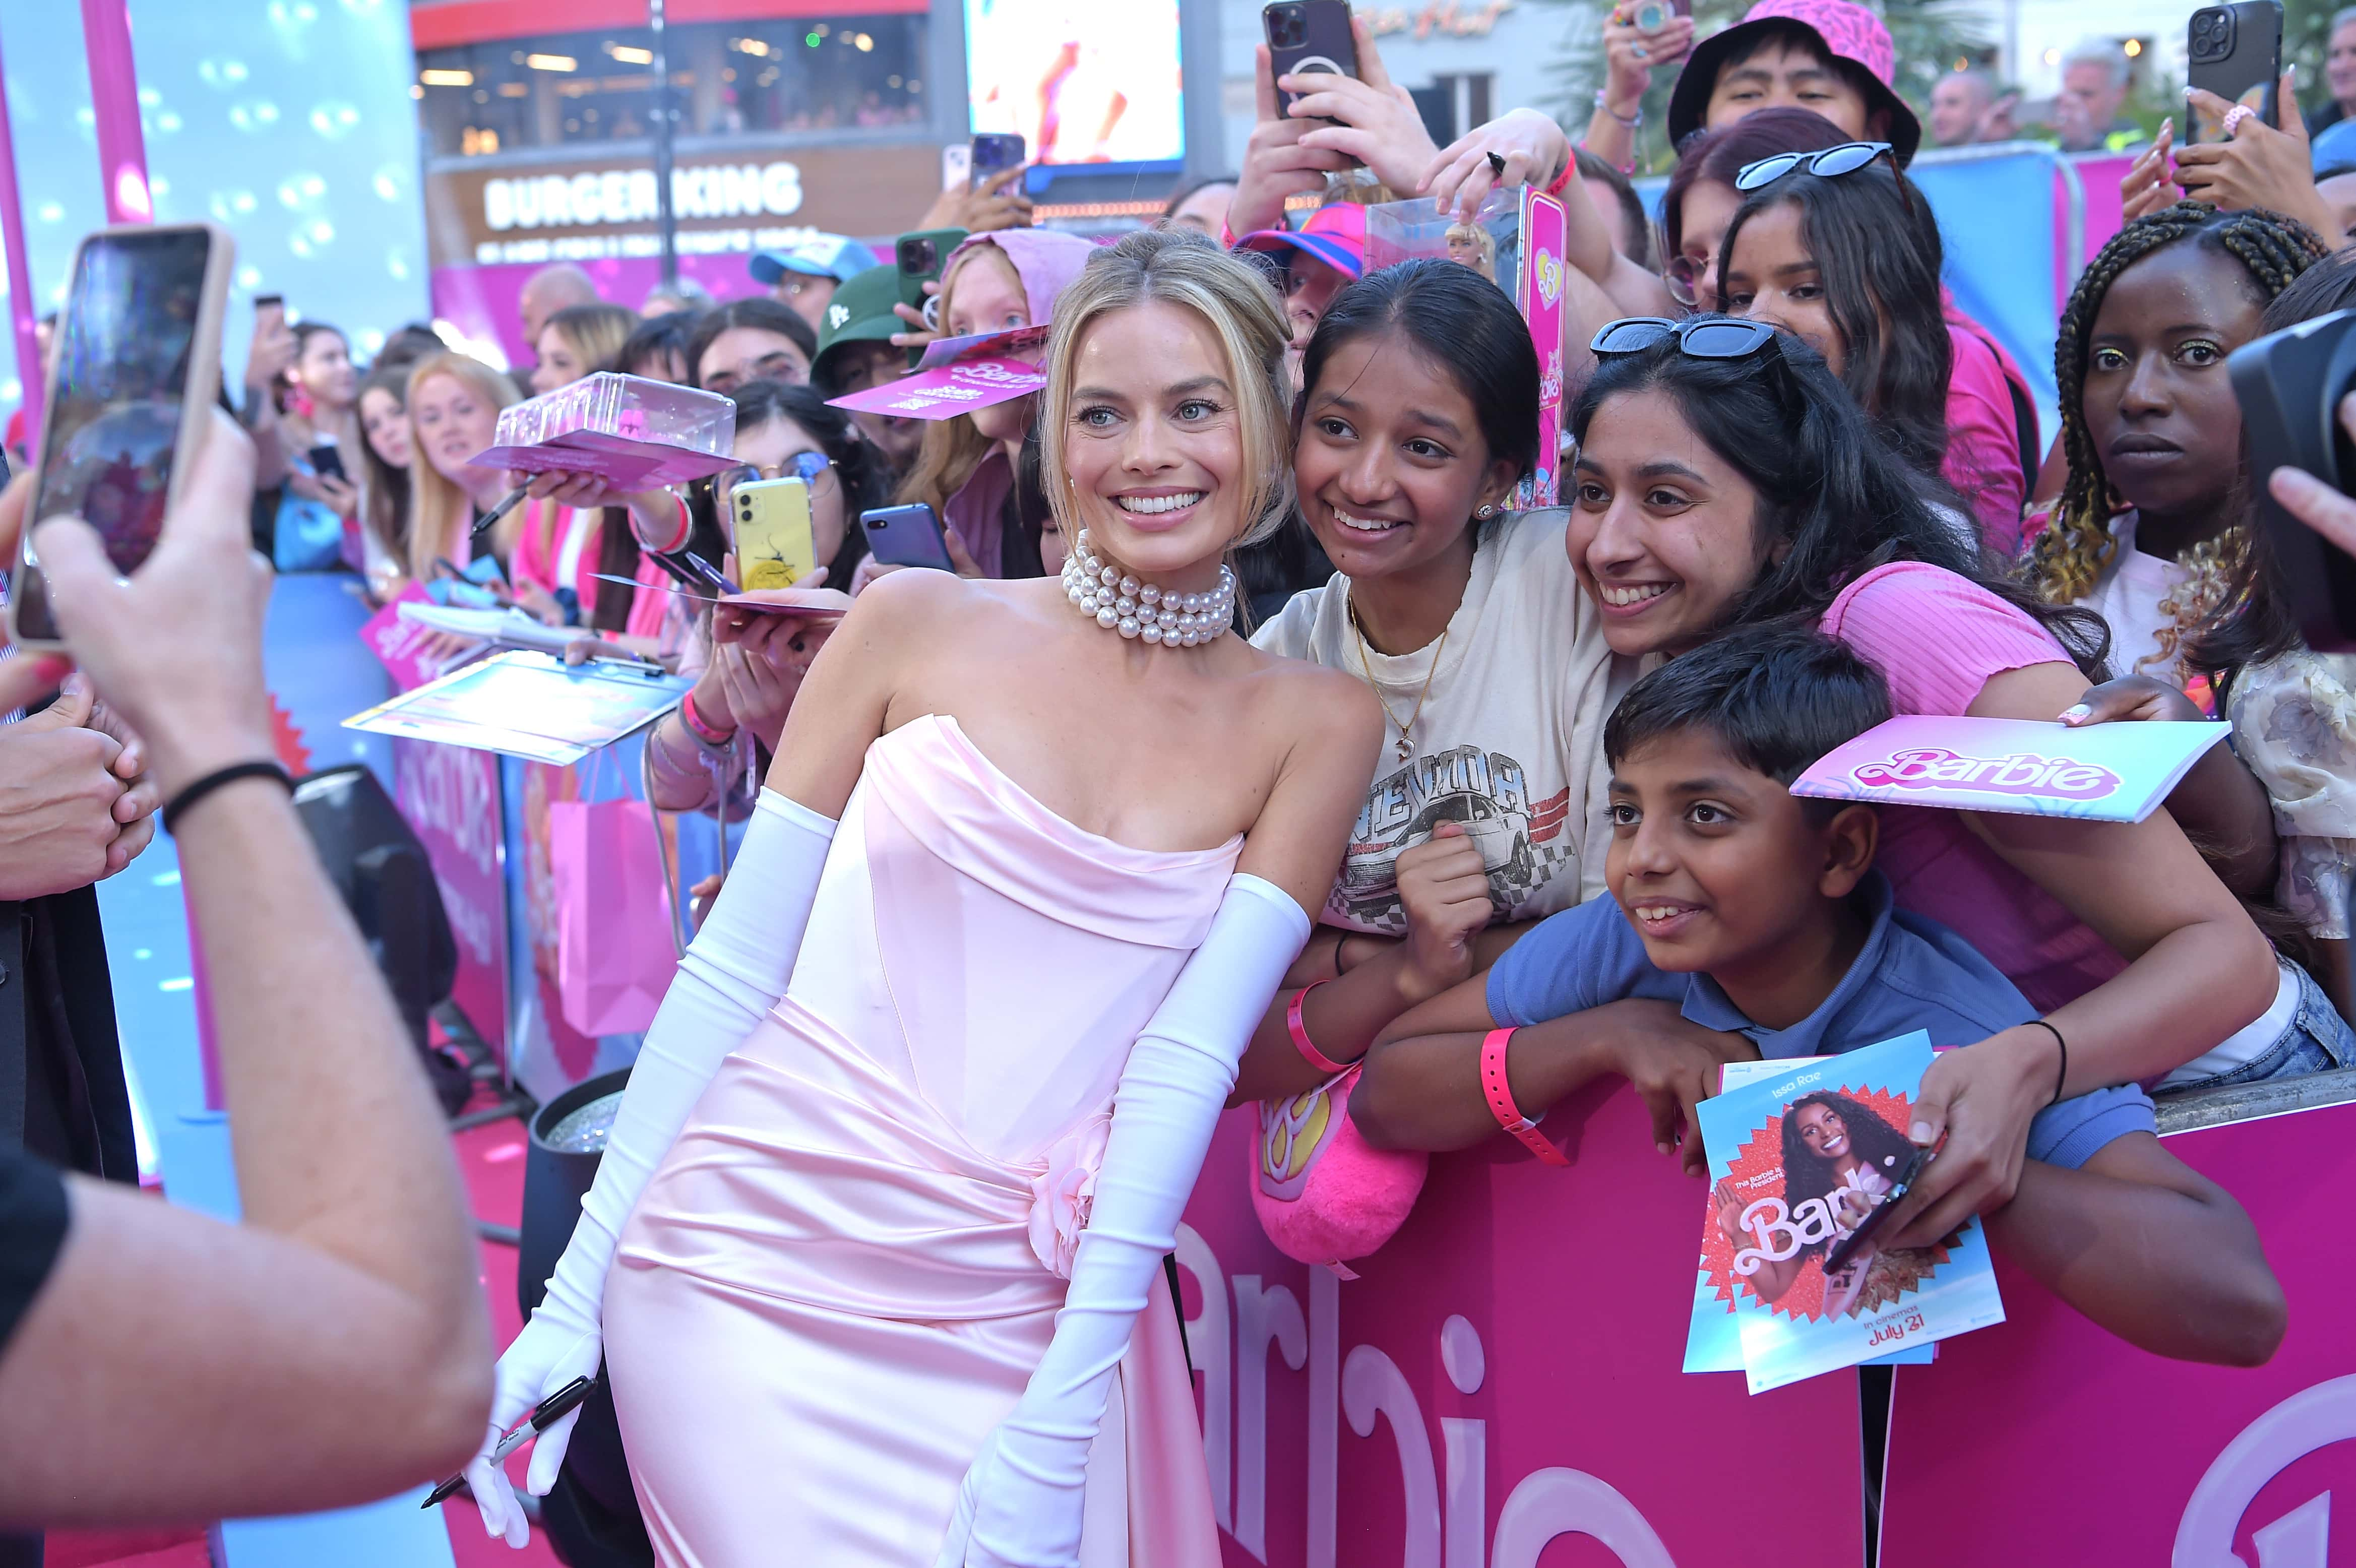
994, 153
137, 365
327, 463
2290, 385
773, 547
271, 303
906, 536
2235, 52
1652, 16
1309, 35
1901, 1184
920, 257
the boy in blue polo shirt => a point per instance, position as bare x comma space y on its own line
1758, 916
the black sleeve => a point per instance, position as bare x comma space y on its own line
32, 1230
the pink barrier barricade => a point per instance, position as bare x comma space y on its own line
2045, 1440
1504, 1374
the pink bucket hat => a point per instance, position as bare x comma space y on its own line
1849, 32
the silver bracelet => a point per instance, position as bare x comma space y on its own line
1632, 122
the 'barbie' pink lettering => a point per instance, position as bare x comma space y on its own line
2022, 774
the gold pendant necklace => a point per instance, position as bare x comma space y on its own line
1406, 748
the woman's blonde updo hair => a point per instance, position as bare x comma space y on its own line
1183, 268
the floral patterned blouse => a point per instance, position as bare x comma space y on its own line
2294, 724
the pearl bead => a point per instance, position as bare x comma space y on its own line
1149, 631
1125, 605
1129, 586
1109, 576
1147, 593
1127, 627
1106, 618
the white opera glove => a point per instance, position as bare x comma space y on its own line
733, 973
1020, 1506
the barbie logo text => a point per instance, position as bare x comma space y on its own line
2022, 773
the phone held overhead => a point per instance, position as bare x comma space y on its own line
1306, 35
2235, 52
136, 368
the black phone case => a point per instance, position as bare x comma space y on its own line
1327, 44
2289, 386
2246, 71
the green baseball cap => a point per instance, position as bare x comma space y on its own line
861, 310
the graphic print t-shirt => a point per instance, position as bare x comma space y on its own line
1509, 744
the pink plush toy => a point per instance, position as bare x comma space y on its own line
1323, 1194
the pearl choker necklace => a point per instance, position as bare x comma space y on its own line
1121, 603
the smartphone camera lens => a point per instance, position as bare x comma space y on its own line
1288, 27
918, 256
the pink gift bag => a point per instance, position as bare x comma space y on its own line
615, 953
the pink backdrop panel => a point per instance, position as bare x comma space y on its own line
2047, 1440
1504, 1375
2101, 177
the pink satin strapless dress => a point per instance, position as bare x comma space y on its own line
841, 1276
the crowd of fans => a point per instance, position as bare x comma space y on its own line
1844, 490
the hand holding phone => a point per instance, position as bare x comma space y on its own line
774, 545
2233, 51
137, 367
1306, 35
907, 536
993, 153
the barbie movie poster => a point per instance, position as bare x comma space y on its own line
1798, 1158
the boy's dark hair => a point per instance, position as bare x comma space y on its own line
1777, 696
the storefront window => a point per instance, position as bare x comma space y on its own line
829, 73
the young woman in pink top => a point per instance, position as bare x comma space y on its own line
1838, 248
1724, 479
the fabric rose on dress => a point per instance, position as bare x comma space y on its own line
1064, 1191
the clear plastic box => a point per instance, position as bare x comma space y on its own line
1491, 244
634, 432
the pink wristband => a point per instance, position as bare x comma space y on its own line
699, 727
1300, 1031
679, 538
1501, 1100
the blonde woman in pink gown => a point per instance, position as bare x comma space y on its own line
875, 1256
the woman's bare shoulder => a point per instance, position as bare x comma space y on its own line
1312, 699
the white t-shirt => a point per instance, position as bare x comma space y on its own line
1509, 743
2127, 595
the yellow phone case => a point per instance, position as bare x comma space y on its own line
773, 547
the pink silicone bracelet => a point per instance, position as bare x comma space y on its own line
1501, 1099
1300, 1031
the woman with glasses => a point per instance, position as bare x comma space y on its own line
1838, 248
749, 666
1725, 478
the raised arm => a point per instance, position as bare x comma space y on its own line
2197, 971
333, 1347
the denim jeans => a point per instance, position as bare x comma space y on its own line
2318, 1041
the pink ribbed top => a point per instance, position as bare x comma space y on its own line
1937, 639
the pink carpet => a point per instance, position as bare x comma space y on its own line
492, 1160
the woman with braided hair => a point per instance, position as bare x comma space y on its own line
2149, 534
2149, 529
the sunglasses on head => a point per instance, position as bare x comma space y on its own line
1698, 337
1829, 163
